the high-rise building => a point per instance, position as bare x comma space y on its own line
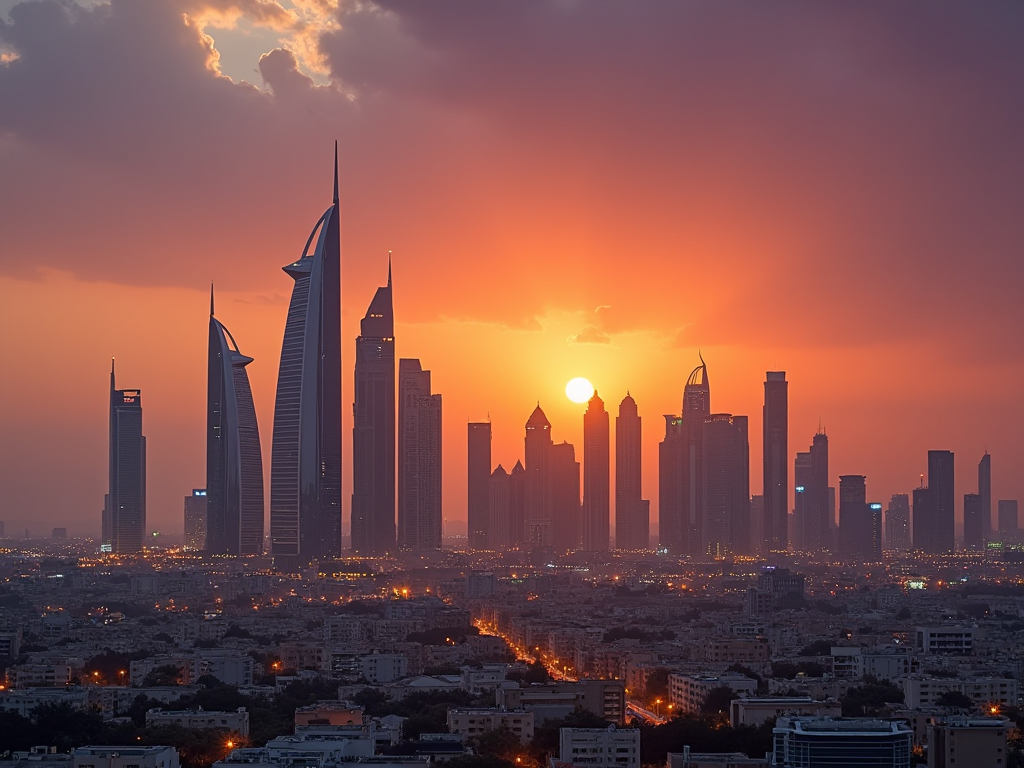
125, 504
1008, 522
941, 498
672, 525
985, 491
478, 517
897, 523
419, 459
596, 477
234, 460
498, 492
921, 522
775, 427
517, 505
632, 512
538, 523
373, 430
726, 486
305, 459
195, 520
801, 479
875, 515
974, 528
816, 534
756, 519
566, 512
855, 519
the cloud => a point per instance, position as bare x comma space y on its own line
590, 335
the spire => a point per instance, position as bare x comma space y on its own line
389, 269
335, 171
112, 387
211, 298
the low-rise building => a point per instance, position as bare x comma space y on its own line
125, 757
38, 676
841, 743
472, 722
952, 640
733, 650
756, 711
201, 719
484, 678
688, 759
924, 691
329, 712
605, 698
380, 668
688, 692
968, 742
600, 747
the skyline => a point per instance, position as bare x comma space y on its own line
848, 240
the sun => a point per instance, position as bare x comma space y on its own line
579, 390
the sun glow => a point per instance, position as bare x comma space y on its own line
579, 390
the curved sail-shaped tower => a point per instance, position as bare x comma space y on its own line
305, 464
234, 461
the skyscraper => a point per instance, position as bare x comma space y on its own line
921, 523
875, 515
498, 491
419, 459
537, 524
373, 431
195, 520
897, 523
726, 485
305, 460
517, 505
234, 460
1007, 513
775, 427
672, 527
125, 503
801, 480
817, 534
478, 517
632, 513
985, 491
941, 499
596, 477
566, 517
855, 519
974, 529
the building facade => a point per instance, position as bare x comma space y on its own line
478, 517
124, 508
195, 520
419, 459
725, 527
775, 425
596, 477
632, 512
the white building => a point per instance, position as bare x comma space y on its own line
125, 757
955, 640
756, 711
38, 676
484, 678
687, 692
921, 691
600, 747
472, 722
853, 663
379, 668
202, 720
968, 742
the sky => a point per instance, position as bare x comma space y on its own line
569, 188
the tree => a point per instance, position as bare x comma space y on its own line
868, 699
718, 700
657, 684
817, 648
167, 674
955, 699
499, 742
372, 700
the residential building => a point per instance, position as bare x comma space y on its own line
195, 520
201, 720
968, 742
125, 757
600, 747
757, 710
419, 459
479, 518
688, 692
473, 722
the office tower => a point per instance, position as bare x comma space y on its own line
517, 505
234, 461
985, 491
801, 479
855, 519
498, 492
756, 519
537, 523
632, 513
775, 426
725, 527
59, 534
195, 520
1007, 513
305, 459
2, 529
125, 508
922, 519
817, 535
941, 493
897, 523
373, 431
566, 512
596, 477
875, 521
974, 528
419, 459
672, 528
478, 517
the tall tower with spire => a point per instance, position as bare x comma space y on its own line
537, 521
234, 460
596, 476
373, 430
124, 514
305, 463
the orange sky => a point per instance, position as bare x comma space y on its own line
830, 191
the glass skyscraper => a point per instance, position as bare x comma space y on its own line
124, 509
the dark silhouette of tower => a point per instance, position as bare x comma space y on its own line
234, 459
672, 527
1007, 512
941, 498
538, 523
124, 514
195, 520
373, 431
974, 530
811, 502
517, 505
478, 517
776, 461
856, 525
801, 521
596, 476
922, 519
419, 459
897, 523
566, 518
726, 485
498, 491
632, 513
305, 459
985, 491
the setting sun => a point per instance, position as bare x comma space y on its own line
579, 390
